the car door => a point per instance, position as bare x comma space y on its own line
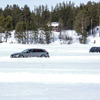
96, 49
35, 53
28, 53
32, 53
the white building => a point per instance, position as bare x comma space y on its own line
96, 30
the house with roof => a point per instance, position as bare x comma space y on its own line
55, 26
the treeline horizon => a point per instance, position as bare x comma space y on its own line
79, 18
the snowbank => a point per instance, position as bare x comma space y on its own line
93, 39
67, 37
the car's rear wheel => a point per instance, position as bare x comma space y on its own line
42, 56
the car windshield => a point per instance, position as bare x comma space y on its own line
25, 51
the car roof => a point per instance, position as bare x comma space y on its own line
95, 47
35, 49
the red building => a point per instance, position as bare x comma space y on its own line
55, 26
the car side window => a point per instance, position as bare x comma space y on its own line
40, 50
31, 50
35, 50
28, 51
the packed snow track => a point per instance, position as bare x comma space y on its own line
71, 73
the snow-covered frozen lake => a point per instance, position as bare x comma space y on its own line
71, 73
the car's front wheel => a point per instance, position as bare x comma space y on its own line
12, 56
20, 56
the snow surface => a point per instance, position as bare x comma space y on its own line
71, 73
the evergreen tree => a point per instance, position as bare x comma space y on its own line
1, 12
20, 32
60, 28
26, 14
16, 15
2, 24
35, 30
8, 23
45, 14
38, 16
47, 31
7, 11
80, 24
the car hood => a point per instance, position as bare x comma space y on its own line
16, 53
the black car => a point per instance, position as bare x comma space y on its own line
95, 49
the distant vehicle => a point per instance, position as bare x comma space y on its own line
31, 53
95, 49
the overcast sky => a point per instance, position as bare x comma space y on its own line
32, 3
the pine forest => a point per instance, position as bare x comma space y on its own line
28, 22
